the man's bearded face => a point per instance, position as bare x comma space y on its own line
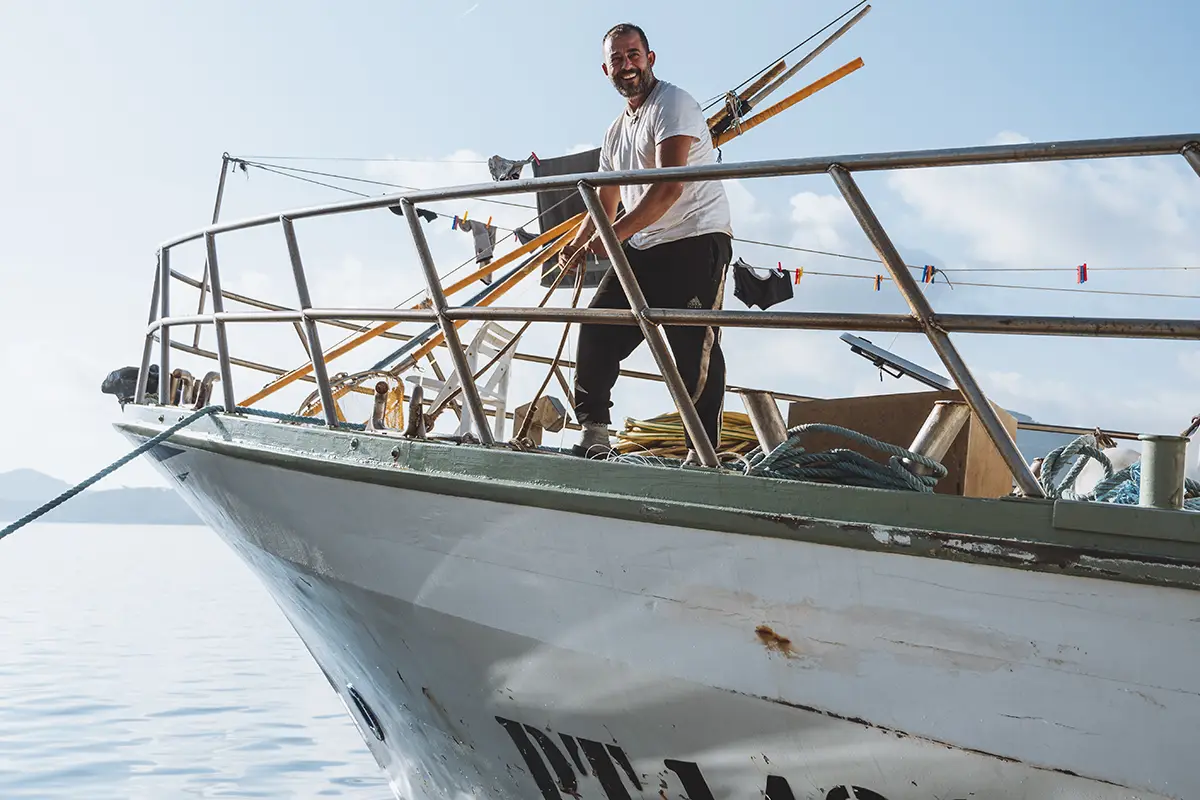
629, 66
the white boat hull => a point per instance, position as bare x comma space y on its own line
513, 651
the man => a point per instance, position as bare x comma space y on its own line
677, 237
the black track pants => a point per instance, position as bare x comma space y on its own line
688, 273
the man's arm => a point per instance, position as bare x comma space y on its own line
610, 198
671, 152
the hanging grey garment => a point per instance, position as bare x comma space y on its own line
504, 170
523, 236
485, 238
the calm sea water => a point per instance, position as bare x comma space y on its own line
146, 662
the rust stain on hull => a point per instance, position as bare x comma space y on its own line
774, 642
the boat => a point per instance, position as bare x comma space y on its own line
503, 619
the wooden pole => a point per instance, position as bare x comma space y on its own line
366, 336
754, 88
501, 288
788, 102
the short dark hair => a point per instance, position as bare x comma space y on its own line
624, 28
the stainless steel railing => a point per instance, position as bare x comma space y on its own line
923, 318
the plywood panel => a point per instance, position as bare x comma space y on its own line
974, 466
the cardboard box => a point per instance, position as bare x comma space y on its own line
974, 466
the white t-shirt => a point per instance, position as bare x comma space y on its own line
630, 143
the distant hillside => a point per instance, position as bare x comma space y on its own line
23, 490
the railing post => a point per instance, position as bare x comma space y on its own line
218, 301
164, 332
449, 332
310, 325
139, 394
1163, 471
651, 331
1191, 152
216, 215
942, 345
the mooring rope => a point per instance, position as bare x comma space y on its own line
848, 467
111, 468
281, 417
1122, 487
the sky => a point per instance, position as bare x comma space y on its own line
114, 118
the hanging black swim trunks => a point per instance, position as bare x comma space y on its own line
760, 286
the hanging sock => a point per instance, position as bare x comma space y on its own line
523, 236
756, 289
504, 169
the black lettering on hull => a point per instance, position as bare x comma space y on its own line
605, 772
599, 756
842, 793
537, 768
694, 785
573, 748
605, 759
618, 755
778, 788
562, 768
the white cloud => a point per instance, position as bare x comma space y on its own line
820, 221
1119, 213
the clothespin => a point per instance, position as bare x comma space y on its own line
489, 222
799, 274
533, 155
1081, 273
927, 275
454, 225
878, 282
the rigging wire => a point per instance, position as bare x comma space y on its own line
356, 193
716, 98
412, 298
370, 181
368, 160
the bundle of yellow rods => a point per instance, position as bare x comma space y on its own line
663, 436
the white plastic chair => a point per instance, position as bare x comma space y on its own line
489, 340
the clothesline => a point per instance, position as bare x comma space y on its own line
796, 274
964, 269
271, 167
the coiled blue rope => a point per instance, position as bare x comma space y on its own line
848, 467
1122, 487
111, 468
